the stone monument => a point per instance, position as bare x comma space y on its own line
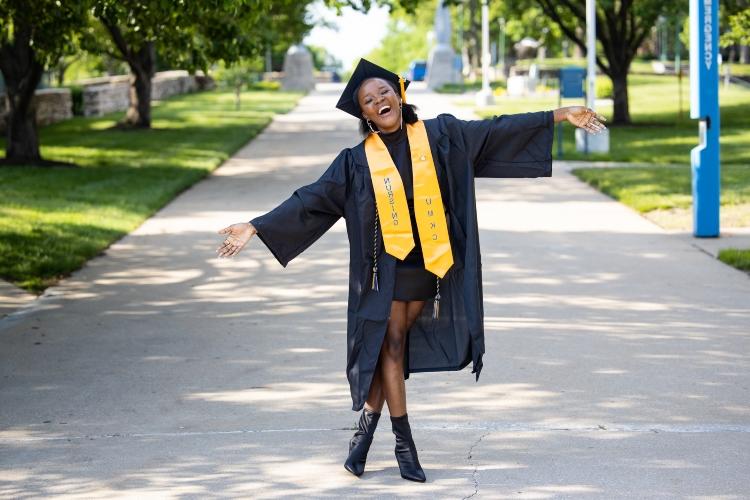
298, 69
441, 67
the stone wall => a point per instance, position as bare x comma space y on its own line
52, 106
106, 95
99, 99
102, 96
169, 83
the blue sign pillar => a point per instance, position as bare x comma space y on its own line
704, 105
571, 85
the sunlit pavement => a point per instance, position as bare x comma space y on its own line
617, 364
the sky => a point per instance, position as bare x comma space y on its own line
357, 33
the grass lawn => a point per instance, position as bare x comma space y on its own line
658, 135
664, 194
52, 220
736, 258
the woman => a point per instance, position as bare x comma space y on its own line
415, 284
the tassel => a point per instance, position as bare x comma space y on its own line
436, 303
403, 90
375, 285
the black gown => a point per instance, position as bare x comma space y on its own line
517, 145
413, 281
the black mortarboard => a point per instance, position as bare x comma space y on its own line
364, 70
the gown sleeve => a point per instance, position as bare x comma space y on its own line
517, 145
307, 214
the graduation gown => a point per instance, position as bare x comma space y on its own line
518, 145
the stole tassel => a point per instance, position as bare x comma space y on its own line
436, 303
375, 285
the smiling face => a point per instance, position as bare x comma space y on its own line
380, 104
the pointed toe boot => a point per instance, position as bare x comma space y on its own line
406, 451
360, 443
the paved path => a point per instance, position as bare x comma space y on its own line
13, 298
617, 366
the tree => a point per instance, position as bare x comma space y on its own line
622, 25
736, 15
739, 29
189, 34
32, 35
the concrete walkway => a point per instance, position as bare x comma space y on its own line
13, 298
617, 365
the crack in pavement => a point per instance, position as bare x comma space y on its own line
475, 472
488, 427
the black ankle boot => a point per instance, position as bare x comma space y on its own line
359, 445
406, 451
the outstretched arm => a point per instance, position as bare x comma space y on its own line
297, 222
517, 145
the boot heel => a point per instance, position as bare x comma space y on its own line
406, 451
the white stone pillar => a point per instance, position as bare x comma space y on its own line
484, 97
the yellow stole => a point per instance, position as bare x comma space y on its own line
390, 198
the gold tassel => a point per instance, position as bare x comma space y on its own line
403, 90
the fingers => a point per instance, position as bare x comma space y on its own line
228, 248
231, 247
592, 122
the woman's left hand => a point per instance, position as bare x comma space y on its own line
585, 118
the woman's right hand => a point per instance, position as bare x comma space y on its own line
237, 237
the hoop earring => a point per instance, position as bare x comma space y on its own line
369, 124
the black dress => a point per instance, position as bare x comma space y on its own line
413, 281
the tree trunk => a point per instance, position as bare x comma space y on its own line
142, 69
620, 96
22, 73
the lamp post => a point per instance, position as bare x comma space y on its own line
661, 26
586, 142
591, 53
501, 46
484, 97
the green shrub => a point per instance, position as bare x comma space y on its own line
76, 95
604, 87
453, 88
460, 88
265, 85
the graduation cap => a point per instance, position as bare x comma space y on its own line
364, 70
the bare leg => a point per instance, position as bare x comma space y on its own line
413, 308
392, 359
376, 396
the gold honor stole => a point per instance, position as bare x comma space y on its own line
390, 198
